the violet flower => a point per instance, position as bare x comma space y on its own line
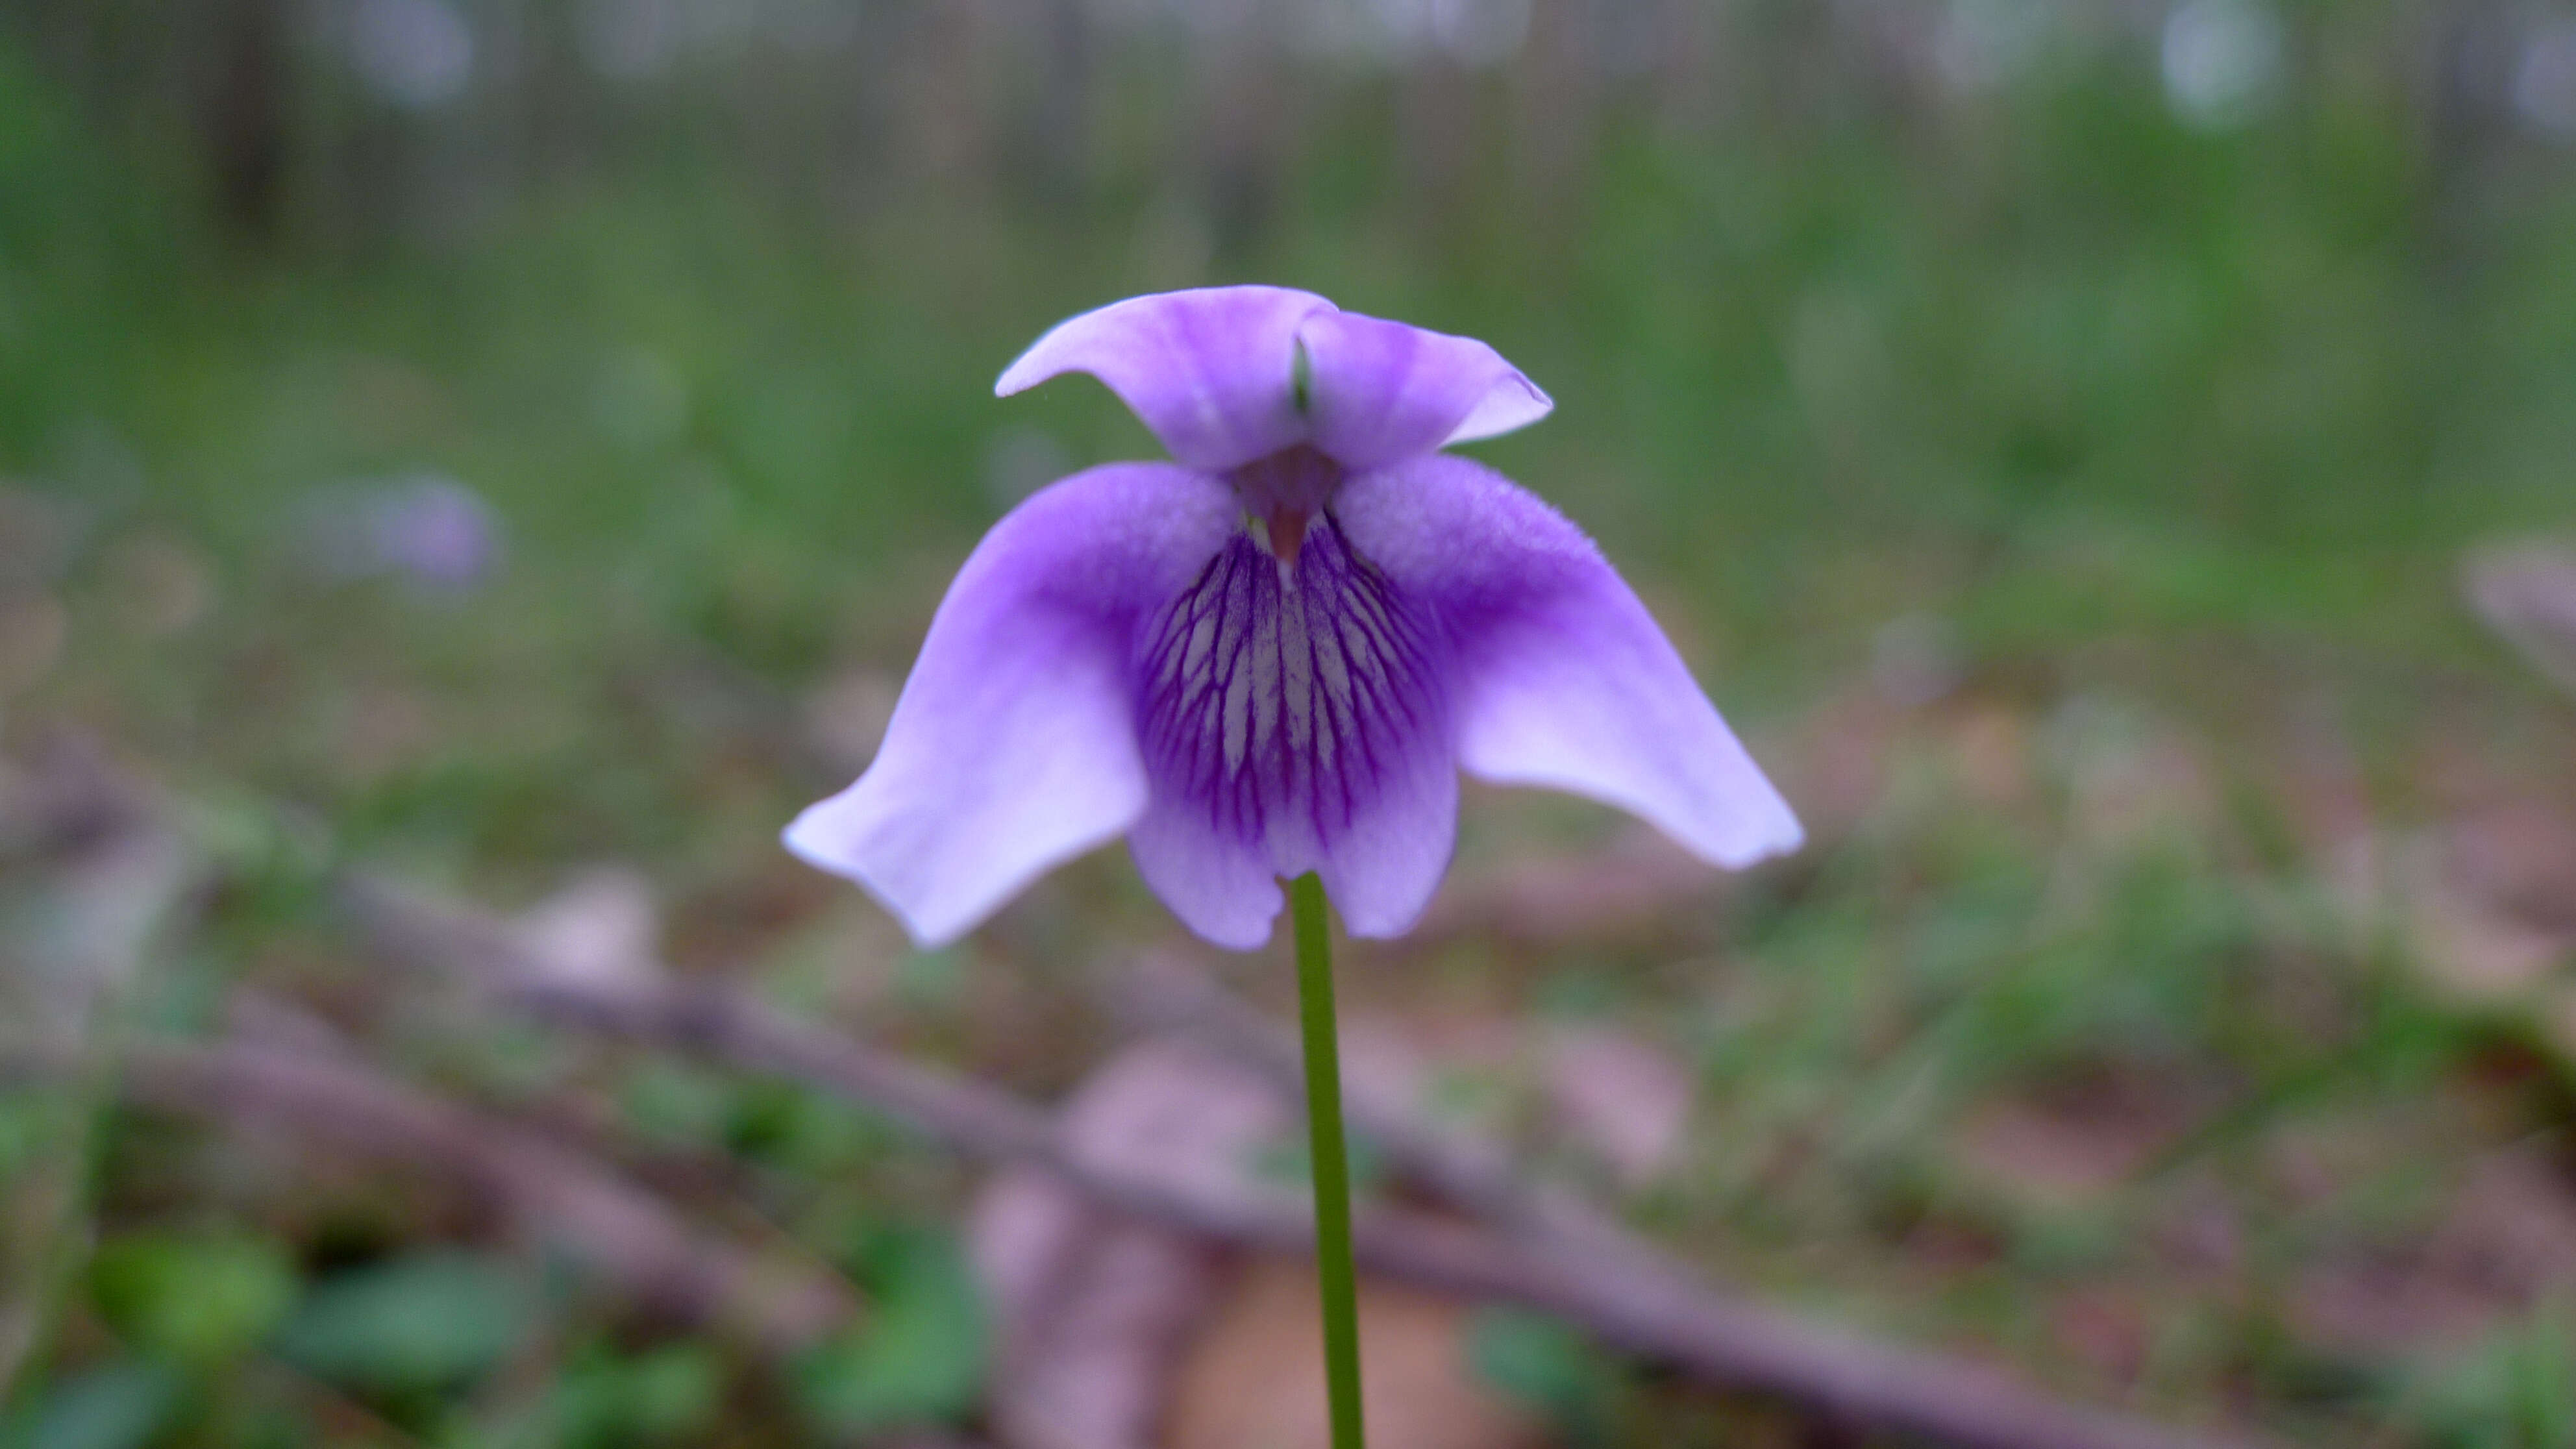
1275, 653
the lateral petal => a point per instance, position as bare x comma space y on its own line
1210, 370
1381, 392
1562, 678
1013, 745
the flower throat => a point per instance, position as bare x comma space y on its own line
1284, 699
1284, 493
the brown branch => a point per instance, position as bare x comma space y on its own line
1166, 994
1647, 1306
114, 866
2526, 592
94, 849
1474, 1176
1631, 889
616, 1229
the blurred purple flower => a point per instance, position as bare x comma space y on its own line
1274, 654
426, 527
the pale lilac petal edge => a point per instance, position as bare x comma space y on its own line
1224, 890
1013, 745
1511, 404
1384, 391
1210, 370
1382, 874
1563, 680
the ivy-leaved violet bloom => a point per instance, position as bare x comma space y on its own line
1275, 653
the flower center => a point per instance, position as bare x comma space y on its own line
1284, 492
1284, 702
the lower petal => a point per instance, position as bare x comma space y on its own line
1382, 871
1219, 884
1294, 718
1013, 746
1562, 678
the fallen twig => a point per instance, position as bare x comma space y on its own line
2526, 592
1633, 888
1474, 1176
96, 871
1649, 1308
610, 1226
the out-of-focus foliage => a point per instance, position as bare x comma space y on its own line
197, 1298
420, 1323
920, 1358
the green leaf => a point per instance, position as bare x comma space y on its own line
669, 1395
197, 1298
672, 1104
2514, 1391
428, 1321
920, 1359
1547, 1364
119, 1406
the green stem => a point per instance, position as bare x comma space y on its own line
1331, 1160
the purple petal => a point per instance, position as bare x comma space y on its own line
1382, 871
1211, 371
1219, 883
1294, 720
1382, 392
1013, 746
1562, 678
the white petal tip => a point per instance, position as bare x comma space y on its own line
1055, 353
807, 839
1230, 926
1020, 376
1766, 828
1240, 942
1786, 839
1382, 930
1511, 404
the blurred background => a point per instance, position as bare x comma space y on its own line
504, 453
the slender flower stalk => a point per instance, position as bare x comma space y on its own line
1335, 1276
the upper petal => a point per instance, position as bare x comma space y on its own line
1211, 371
1013, 745
1381, 391
1562, 677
